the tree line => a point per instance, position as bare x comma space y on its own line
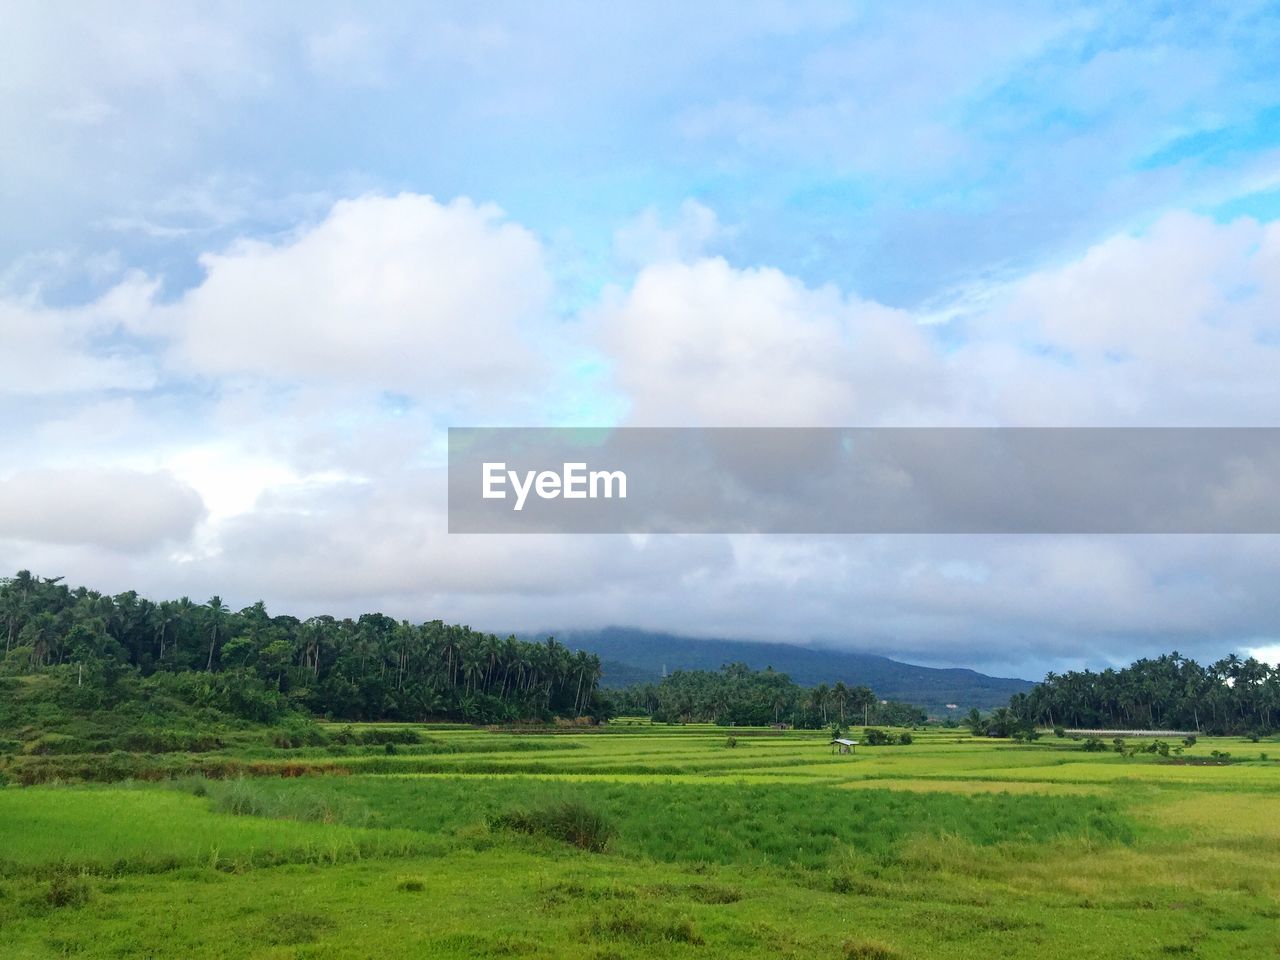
1169, 692
740, 696
371, 667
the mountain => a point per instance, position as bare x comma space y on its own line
636, 656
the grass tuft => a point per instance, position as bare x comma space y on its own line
636, 927
569, 821
868, 950
69, 890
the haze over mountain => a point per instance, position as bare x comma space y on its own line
637, 656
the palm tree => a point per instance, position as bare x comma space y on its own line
217, 613
841, 695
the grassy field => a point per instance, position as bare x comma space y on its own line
773, 847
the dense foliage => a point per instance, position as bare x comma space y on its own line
258, 665
1171, 692
738, 695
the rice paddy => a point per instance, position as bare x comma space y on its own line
635, 841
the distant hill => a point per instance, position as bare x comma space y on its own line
636, 656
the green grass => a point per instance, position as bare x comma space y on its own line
472, 843
710, 822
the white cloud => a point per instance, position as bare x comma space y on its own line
394, 293
114, 509
50, 350
1174, 326
708, 344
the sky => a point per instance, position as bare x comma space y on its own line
256, 259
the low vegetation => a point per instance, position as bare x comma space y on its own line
569, 821
642, 840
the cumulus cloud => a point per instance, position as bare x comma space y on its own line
1173, 326
114, 509
52, 350
396, 293
711, 345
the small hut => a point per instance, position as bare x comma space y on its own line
841, 745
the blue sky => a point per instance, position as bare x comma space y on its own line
839, 213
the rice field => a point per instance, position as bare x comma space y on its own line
715, 843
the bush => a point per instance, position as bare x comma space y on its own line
68, 890
1093, 745
1189, 741
1059, 731
166, 741
874, 737
568, 821
298, 735
375, 737
731, 741
905, 739
51, 743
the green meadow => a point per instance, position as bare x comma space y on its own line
638, 840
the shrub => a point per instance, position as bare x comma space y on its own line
298, 735
874, 737
1189, 741
1059, 731
375, 737
68, 890
1093, 745
905, 739
568, 821
731, 741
